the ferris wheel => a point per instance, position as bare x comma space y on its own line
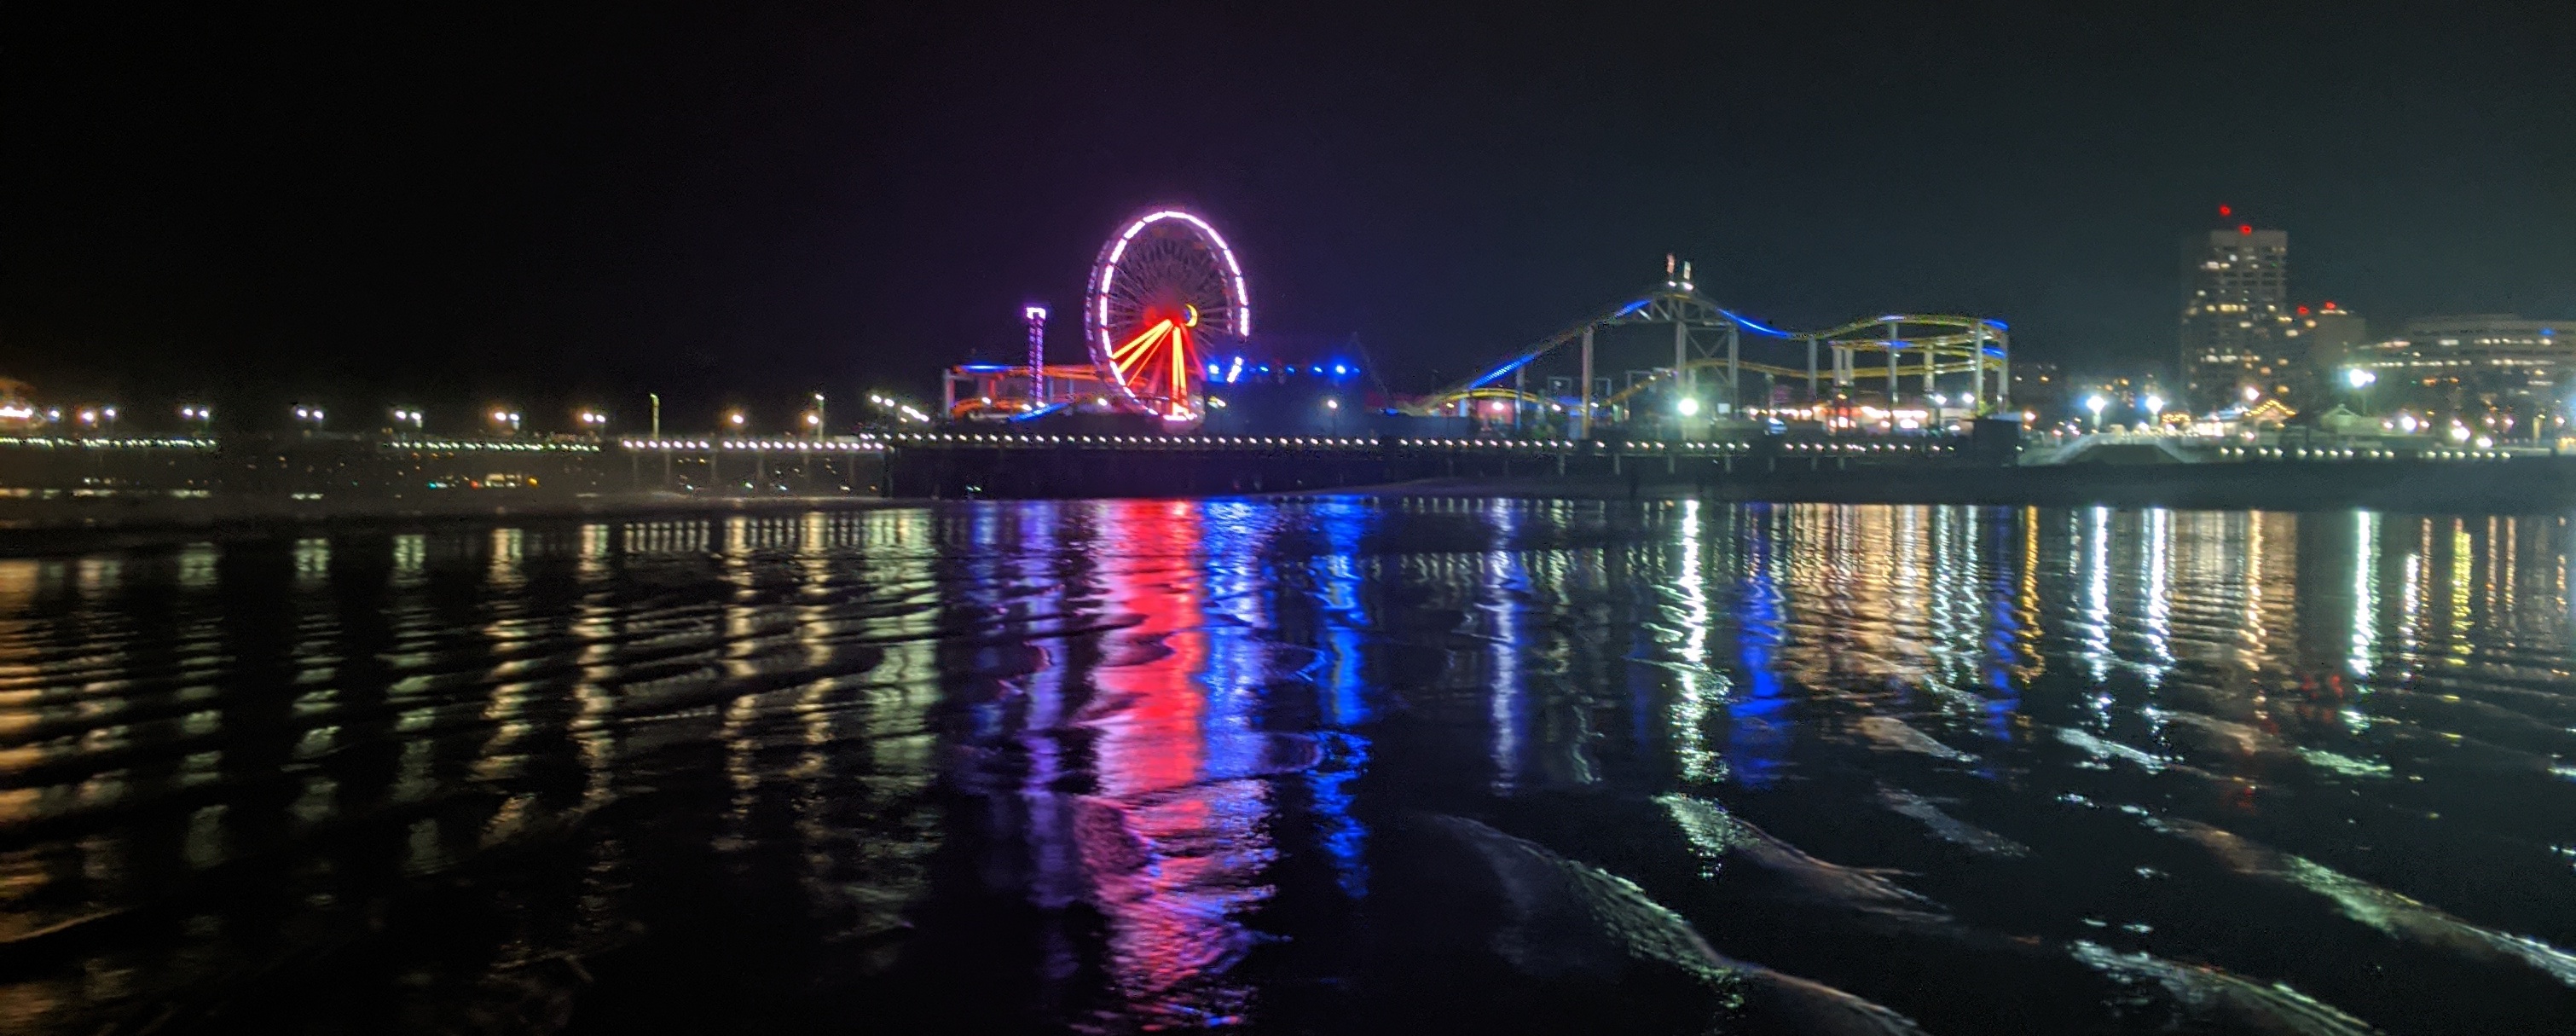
1165, 292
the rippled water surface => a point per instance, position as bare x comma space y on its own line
1330, 765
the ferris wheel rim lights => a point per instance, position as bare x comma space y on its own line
1102, 336
1109, 269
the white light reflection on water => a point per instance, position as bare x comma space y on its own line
2096, 622
2158, 570
1695, 685
1154, 763
1500, 586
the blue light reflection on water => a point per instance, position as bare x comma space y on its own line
1139, 764
1756, 745
1344, 629
1502, 585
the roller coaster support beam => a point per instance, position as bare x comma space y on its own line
1977, 388
1520, 395
1683, 377
2003, 372
1583, 421
1734, 373
1891, 363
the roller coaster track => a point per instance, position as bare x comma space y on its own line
1659, 377
1960, 345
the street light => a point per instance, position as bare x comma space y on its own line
404, 416
735, 419
2095, 403
2361, 379
2155, 407
311, 415
1688, 407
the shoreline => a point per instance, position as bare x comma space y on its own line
25, 523
2520, 486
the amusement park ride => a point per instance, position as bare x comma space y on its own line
1166, 302
1165, 294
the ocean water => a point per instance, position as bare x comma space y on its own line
1333, 764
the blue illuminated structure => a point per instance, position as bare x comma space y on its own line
1754, 326
1705, 376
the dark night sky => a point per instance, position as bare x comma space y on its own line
452, 205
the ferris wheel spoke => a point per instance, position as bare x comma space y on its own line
1142, 341
1164, 295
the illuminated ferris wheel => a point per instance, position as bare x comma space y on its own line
1165, 290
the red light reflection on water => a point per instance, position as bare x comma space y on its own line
1174, 851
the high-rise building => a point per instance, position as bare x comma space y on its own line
2328, 339
2236, 316
2470, 363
